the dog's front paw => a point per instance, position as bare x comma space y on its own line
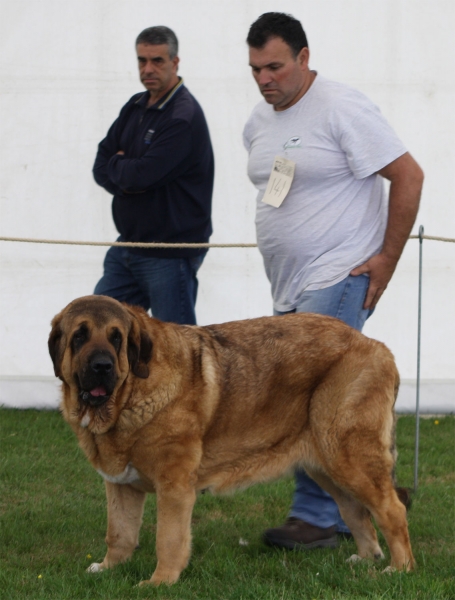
162, 576
95, 568
355, 558
389, 570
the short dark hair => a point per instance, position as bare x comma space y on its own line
273, 24
159, 35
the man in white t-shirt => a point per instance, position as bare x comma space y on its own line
329, 234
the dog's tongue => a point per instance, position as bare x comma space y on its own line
98, 391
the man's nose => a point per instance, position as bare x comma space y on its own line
263, 77
149, 67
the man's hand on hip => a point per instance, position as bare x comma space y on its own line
380, 269
406, 179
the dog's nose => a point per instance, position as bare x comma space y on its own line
101, 364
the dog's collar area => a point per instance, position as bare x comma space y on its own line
85, 421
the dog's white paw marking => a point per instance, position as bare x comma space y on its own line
355, 558
94, 568
388, 570
129, 475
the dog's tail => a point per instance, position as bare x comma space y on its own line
404, 496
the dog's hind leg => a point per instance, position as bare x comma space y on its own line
390, 516
354, 514
125, 506
368, 478
378, 495
363, 495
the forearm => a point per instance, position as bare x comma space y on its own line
406, 179
165, 159
107, 148
100, 170
404, 200
104, 181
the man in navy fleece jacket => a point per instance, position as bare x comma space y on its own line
157, 161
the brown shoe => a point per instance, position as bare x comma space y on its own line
296, 534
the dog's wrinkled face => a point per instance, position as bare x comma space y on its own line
94, 343
96, 356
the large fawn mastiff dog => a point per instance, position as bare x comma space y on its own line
174, 410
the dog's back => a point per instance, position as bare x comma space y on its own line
292, 389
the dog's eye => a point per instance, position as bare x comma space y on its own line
116, 339
79, 337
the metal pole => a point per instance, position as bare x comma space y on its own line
419, 329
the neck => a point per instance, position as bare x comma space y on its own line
311, 76
154, 97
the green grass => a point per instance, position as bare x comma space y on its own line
52, 517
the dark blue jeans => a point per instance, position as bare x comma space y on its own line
167, 286
344, 301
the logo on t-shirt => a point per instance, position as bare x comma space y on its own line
293, 142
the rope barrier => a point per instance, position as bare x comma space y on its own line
127, 244
429, 237
179, 245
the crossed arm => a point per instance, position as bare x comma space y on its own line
163, 161
406, 180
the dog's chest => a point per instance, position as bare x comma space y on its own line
129, 475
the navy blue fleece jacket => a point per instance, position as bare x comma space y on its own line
163, 183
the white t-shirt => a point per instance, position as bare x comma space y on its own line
334, 216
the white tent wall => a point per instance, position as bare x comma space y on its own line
66, 68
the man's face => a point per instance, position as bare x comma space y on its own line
281, 77
157, 71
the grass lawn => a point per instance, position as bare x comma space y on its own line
53, 516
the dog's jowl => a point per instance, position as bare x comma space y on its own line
173, 410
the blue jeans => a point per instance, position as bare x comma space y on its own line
167, 286
344, 301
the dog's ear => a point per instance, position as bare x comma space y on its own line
140, 348
54, 344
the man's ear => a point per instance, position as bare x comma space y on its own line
55, 346
304, 57
140, 348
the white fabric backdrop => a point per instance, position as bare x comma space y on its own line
66, 68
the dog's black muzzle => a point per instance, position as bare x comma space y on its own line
98, 379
